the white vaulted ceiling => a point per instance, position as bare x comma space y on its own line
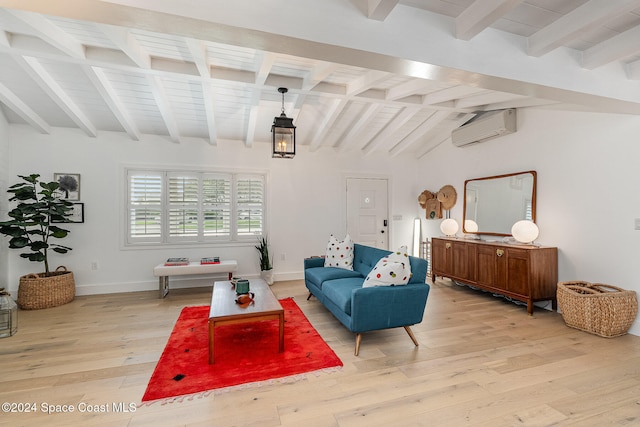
97, 71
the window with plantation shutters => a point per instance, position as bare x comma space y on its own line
250, 205
145, 206
183, 205
191, 207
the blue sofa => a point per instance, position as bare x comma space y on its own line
370, 308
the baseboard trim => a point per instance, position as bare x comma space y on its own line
174, 283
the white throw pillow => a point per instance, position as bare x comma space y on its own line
339, 253
394, 269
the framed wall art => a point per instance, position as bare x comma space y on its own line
76, 214
69, 185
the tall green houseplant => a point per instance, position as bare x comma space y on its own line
263, 250
32, 220
266, 269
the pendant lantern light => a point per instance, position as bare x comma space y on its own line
283, 133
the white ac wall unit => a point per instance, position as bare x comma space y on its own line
484, 126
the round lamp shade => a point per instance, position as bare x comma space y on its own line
449, 227
470, 226
525, 231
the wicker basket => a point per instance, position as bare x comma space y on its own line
38, 291
604, 310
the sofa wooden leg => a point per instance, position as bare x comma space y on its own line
309, 296
358, 341
413, 337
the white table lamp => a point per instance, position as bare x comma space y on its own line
525, 231
449, 227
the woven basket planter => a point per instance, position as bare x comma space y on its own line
604, 310
38, 291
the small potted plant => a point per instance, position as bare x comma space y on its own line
30, 229
266, 269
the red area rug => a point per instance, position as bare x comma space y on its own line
245, 353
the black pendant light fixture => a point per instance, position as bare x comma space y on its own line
283, 133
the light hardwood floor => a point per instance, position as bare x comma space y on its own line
482, 362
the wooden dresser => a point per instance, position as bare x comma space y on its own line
522, 272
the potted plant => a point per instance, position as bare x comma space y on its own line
266, 269
30, 229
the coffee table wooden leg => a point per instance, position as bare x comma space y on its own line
211, 352
281, 343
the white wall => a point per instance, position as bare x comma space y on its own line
588, 194
588, 187
305, 196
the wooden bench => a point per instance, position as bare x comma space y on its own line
164, 271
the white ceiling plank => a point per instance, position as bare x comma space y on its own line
128, 44
199, 53
111, 98
442, 136
615, 48
380, 9
366, 81
480, 15
385, 134
46, 82
162, 101
17, 105
582, 20
431, 122
332, 114
208, 70
47, 31
346, 140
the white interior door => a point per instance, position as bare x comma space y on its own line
367, 210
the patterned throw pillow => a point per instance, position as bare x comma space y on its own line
339, 253
394, 269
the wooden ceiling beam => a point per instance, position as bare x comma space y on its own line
480, 15
618, 47
48, 84
48, 32
380, 9
18, 106
109, 95
583, 19
164, 105
199, 54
